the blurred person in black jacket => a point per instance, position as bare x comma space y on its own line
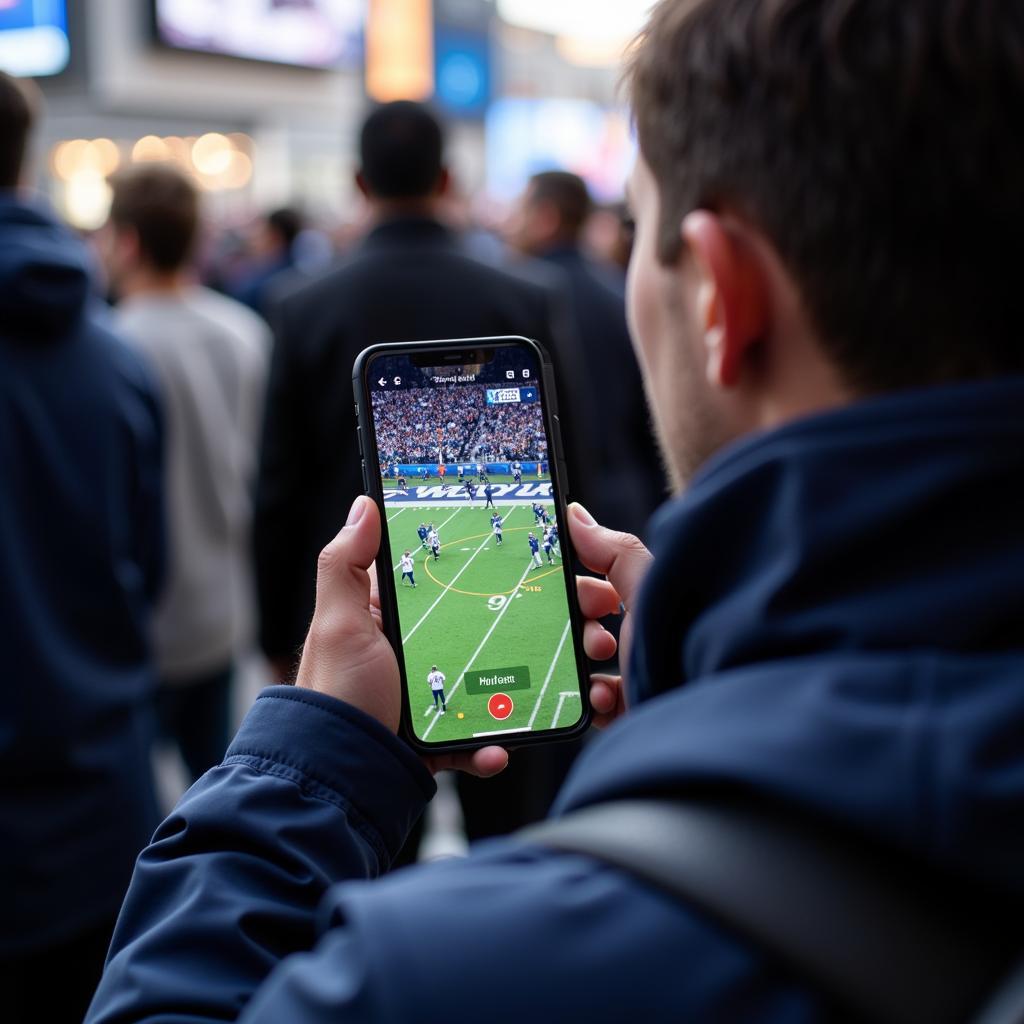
409, 279
620, 479
81, 553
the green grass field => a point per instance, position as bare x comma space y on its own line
481, 608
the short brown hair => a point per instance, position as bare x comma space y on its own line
18, 109
877, 144
161, 204
568, 193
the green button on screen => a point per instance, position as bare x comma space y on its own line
497, 680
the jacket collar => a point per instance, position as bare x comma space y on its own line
399, 232
886, 525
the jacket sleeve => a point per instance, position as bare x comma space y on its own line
310, 792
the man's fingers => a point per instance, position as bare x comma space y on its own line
606, 698
598, 643
598, 598
619, 556
485, 762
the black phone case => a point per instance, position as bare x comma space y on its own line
386, 583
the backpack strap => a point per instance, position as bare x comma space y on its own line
883, 935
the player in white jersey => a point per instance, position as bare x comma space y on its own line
496, 527
406, 565
551, 544
434, 542
436, 681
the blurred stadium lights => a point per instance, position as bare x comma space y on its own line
81, 166
399, 50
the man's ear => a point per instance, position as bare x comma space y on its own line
444, 183
364, 189
731, 297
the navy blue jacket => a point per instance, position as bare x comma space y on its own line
80, 561
833, 620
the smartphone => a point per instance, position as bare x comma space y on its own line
462, 450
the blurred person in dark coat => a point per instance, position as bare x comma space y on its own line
81, 547
620, 479
274, 244
410, 279
210, 355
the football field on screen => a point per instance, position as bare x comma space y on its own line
495, 627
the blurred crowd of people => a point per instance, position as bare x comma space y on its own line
447, 416
458, 422
193, 461
514, 431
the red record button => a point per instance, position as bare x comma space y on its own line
499, 705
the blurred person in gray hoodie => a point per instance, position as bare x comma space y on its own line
209, 354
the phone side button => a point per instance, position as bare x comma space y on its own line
559, 452
366, 479
359, 439
563, 479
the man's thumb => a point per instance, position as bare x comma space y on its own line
343, 564
620, 557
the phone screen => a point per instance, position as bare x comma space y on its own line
475, 545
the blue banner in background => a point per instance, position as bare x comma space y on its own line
33, 37
416, 472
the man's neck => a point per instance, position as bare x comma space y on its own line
383, 210
149, 281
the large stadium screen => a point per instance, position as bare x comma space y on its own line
475, 544
306, 33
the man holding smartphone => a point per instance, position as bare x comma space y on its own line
825, 302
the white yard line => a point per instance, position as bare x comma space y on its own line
561, 700
448, 586
439, 529
398, 513
494, 625
551, 671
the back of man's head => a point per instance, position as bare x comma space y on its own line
17, 116
567, 194
286, 223
160, 204
401, 148
876, 145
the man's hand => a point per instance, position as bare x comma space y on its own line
346, 654
623, 560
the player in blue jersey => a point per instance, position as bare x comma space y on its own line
534, 550
553, 534
421, 532
538, 513
496, 527
470, 490
489, 495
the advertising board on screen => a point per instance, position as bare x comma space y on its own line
304, 33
